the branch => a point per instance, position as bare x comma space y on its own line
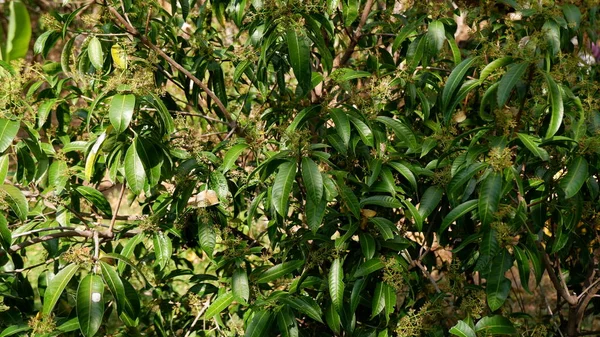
560, 286
357, 33
131, 30
431, 279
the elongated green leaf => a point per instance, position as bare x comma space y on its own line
495, 64
207, 237
306, 305
463, 176
556, 105
44, 111
430, 200
336, 284
462, 329
15, 200
95, 53
240, 286
405, 172
15, 329
577, 174
332, 318
509, 80
402, 131
91, 157
96, 198
436, 35
279, 270
127, 251
286, 322
299, 56
454, 81
114, 283
259, 326
342, 124
552, 33
369, 267
231, 156
495, 325
363, 130
532, 144
572, 15
90, 304
8, 132
121, 111
378, 303
218, 305
19, 32
4, 162
385, 226
458, 212
134, 170
65, 56
523, 266
315, 211
163, 249
498, 286
350, 199
5, 234
367, 245
68, 326
313, 181
381, 200
389, 298
282, 187
350, 11
489, 197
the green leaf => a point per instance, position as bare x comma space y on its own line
389, 298
218, 305
363, 129
259, 326
498, 286
8, 132
121, 111
532, 144
44, 111
454, 81
5, 234
347, 74
367, 245
282, 187
207, 237
65, 56
19, 32
15, 200
523, 266
342, 124
134, 170
313, 181
336, 284
509, 80
305, 304
462, 329
402, 131
4, 162
68, 326
436, 35
385, 226
114, 283
332, 318
315, 211
95, 53
552, 34
15, 329
495, 64
90, 304
405, 172
430, 200
556, 104
573, 15
128, 249
96, 198
577, 174
279, 270
91, 158
495, 325
350, 199
489, 197
369, 267
185, 8
240, 286
381, 200
350, 11
286, 322
458, 212
378, 303
163, 249
231, 156
299, 56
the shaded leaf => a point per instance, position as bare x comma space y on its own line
509, 80
96, 198
279, 270
282, 187
577, 174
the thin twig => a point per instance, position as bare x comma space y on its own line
357, 33
116, 212
437, 289
197, 318
39, 230
16, 271
560, 286
595, 283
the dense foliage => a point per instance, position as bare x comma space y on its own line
299, 168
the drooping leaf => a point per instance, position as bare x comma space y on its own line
523, 266
454, 81
369, 267
498, 286
115, 285
19, 32
15, 200
306, 305
378, 303
430, 200
556, 106
134, 170
495, 325
231, 156
163, 249
552, 34
96, 198
572, 15
5, 234
121, 111
462, 329
315, 211
286, 322
95, 53
489, 197
336, 284
239, 285
577, 174
436, 35
299, 56
532, 144
90, 304
259, 326
402, 131
313, 181
342, 124
282, 187
458, 212
8, 132
509, 80
218, 305
279, 270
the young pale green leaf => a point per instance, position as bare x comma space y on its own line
556, 105
282, 187
8, 132
532, 144
454, 81
163, 249
577, 174
509, 80
90, 304
495, 325
240, 286
462, 329
347, 74
350, 11
91, 157
495, 64
218, 305
369, 267
286, 322
19, 32
458, 212
16, 201
134, 170
114, 283
231, 156
259, 326
430, 200
121, 111
279, 270
4, 162
523, 266
57, 175
96, 198
342, 124
15, 330
313, 181
436, 35
95, 53
299, 57
336, 284
489, 197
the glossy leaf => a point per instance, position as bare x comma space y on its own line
114, 283
282, 186
577, 174
90, 304
240, 285
436, 35
454, 81
259, 326
279, 270
458, 212
342, 124
218, 305
336, 284
95, 53
462, 329
134, 170
369, 267
532, 144
8, 132
231, 156
121, 111
96, 198
509, 80
299, 56
19, 32
556, 106
489, 197
495, 325
313, 181
163, 249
